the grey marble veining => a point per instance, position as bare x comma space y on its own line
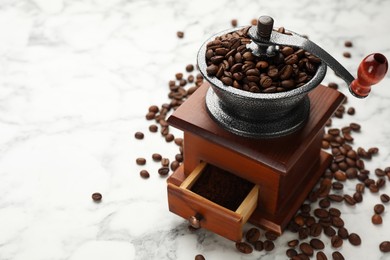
76, 79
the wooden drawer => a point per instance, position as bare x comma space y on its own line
210, 215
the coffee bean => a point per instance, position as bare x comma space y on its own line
150, 115
199, 257
179, 141
156, 157
351, 173
163, 171
385, 246
337, 185
321, 256
321, 213
355, 127
337, 256
271, 235
269, 245
153, 128
306, 249
376, 219
252, 235
335, 197
351, 111
165, 162
373, 150
315, 230
347, 54
317, 244
348, 44
343, 233
334, 212
97, 197
324, 203
379, 208
329, 231
259, 245
144, 174
303, 233
140, 161
385, 198
379, 172
293, 243
139, 135
337, 222
180, 34
349, 200
357, 196
244, 248
291, 253
336, 241
234, 22
354, 239
169, 138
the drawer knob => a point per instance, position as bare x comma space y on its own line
195, 221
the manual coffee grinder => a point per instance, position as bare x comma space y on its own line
256, 156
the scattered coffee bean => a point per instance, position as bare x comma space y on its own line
334, 212
291, 253
306, 249
144, 174
337, 256
180, 34
258, 245
293, 243
385, 198
268, 245
97, 197
376, 219
169, 138
271, 235
139, 135
348, 44
347, 54
163, 171
351, 111
190, 68
140, 161
343, 233
385, 246
153, 128
321, 256
317, 244
252, 235
337, 222
156, 157
165, 162
329, 231
349, 200
336, 241
234, 22
379, 208
244, 248
199, 257
354, 239
175, 165
357, 196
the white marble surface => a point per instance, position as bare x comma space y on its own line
76, 79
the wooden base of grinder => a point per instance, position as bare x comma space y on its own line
284, 169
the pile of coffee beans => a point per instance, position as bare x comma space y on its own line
180, 88
229, 60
